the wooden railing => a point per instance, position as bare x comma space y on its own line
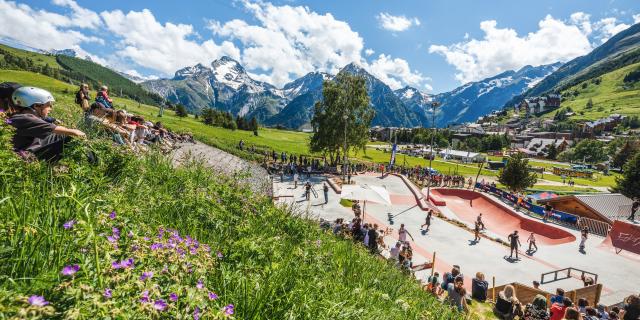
568, 275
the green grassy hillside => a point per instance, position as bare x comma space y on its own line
609, 96
37, 58
130, 237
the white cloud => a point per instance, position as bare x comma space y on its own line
396, 23
504, 49
583, 21
82, 17
165, 48
369, 52
636, 18
396, 73
42, 29
608, 27
291, 41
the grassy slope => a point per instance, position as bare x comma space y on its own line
38, 58
288, 141
610, 94
273, 267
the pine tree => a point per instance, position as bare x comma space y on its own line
629, 183
628, 150
515, 175
181, 111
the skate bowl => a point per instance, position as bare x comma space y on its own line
498, 218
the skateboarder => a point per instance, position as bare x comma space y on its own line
634, 209
307, 190
479, 222
427, 221
514, 240
402, 234
476, 231
532, 242
583, 240
295, 180
325, 189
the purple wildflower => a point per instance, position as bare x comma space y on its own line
37, 301
160, 305
112, 239
69, 224
229, 309
127, 263
116, 232
219, 254
70, 270
155, 246
213, 296
173, 297
130, 234
145, 296
193, 250
116, 265
8, 121
112, 215
196, 314
146, 238
107, 293
146, 275
200, 285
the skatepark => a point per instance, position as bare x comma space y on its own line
453, 244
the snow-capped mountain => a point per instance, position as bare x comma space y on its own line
225, 85
472, 100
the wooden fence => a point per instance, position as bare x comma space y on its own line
526, 294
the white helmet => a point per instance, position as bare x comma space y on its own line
26, 97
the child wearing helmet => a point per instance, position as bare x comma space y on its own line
33, 134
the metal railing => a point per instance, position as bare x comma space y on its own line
568, 275
598, 227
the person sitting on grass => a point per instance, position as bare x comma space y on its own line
33, 134
433, 285
456, 294
557, 310
537, 309
102, 98
507, 305
631, 310
572, 313
82, 97
479, 287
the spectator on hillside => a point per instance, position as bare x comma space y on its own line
582, 305
102, 98
558, 297
572, 314
6, 90
433, 284
591, 314
456, 294
394, 253
536, 284
631, 310
373, 239
479, 287
507, 305
33, 134
602, 311
450, 276
557, 309
83, 97
537, 310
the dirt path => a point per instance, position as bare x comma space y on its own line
220, 161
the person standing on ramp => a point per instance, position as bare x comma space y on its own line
514, 240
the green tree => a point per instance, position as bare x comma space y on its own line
590, 151
253, 125
589, 104
629, 183
344, 107
552, 151
515, 175
626, 152
181, 111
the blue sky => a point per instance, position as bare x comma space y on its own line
433, 45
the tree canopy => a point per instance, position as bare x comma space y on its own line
516, 175
629, 183
344, 107
589, 151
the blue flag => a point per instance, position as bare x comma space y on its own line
393, 155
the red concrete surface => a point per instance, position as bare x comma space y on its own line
499, 219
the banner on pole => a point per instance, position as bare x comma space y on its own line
393, 155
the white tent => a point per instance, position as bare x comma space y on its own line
365, 193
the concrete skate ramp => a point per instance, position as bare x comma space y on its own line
623, 236
499, 219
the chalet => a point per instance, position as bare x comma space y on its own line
542, 104
540, 145
605, 207
605, 124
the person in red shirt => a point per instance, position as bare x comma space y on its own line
557, 309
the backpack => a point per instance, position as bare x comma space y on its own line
6, 90
79, 97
